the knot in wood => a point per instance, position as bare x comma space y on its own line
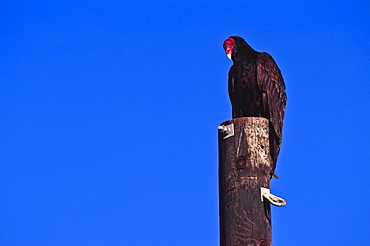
240, 162
264, 243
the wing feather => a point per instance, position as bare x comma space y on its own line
271, 82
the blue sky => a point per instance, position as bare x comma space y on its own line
109, 113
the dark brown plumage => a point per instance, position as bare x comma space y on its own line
256, 89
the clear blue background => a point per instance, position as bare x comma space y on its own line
109, 113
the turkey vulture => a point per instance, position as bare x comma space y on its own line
256, 89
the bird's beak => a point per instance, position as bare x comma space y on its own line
229, 51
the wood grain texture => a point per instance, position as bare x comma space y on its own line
244, 167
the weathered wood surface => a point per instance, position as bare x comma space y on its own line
244, 167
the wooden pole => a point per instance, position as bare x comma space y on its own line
244, 168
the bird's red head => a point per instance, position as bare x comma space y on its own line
229, 45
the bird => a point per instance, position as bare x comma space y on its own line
256, 89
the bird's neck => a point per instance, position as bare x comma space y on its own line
246, 57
